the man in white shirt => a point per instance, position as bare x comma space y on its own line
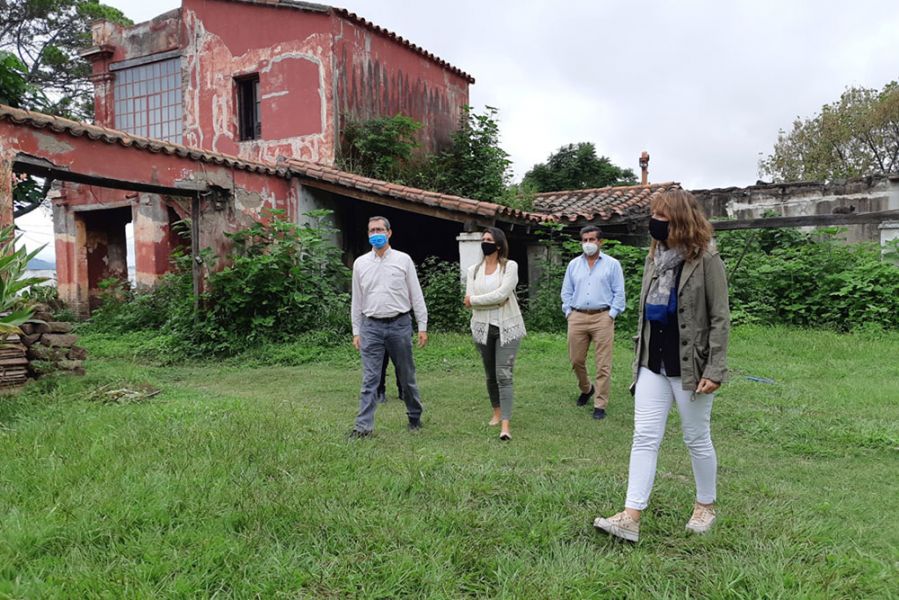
385, 292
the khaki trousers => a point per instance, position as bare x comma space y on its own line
600, 329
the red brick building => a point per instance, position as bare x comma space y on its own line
265, 81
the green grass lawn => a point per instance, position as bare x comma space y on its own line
238, 480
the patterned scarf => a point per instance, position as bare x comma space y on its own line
661, 300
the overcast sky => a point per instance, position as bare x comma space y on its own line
702, 86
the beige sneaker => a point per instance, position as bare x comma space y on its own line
702, 520
620, 525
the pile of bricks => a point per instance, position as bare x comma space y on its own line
13, 363
51, 346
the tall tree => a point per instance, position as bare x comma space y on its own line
576, 167
858, 135
40, 68
474, 166
46, 36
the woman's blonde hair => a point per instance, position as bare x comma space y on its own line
688, 227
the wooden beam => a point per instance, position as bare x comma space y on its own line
196, 261
808, 220
44, 168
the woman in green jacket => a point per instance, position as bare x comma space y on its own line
681, 353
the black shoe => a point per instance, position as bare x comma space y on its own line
599, 413
414, 424
585, 398
358, 435
505, 437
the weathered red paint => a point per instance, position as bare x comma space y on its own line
378, 77
317, 66
6, 190
317, 69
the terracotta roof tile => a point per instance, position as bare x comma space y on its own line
569, 206
60, 125
603, 204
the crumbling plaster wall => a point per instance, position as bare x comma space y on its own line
289, 49
868, 194
378, 77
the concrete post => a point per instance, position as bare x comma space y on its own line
151, 240
538, 255
71, 259
889, 231
469, 252
6, 191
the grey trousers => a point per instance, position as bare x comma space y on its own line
498, 363
394, 337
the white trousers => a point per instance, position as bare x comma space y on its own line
653, 398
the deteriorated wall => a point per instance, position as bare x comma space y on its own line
377, 77
870, 194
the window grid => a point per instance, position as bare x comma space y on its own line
148, 100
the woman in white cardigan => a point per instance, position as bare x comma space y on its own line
496, 323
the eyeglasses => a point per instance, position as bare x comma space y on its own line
377, 230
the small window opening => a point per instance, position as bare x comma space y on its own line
248, 108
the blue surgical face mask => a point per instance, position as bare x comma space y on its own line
378, 240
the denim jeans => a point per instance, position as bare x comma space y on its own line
652, 400
498, 363
394, 337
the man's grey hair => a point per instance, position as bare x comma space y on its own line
587, 229
386, 222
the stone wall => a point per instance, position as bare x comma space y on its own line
869, 194
50, 346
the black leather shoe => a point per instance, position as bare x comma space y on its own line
599, 413
358, 435
414, 424
585, 398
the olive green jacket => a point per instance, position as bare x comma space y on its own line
703, 315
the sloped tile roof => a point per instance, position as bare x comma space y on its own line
322, 172
312, 170
39, 120
605, 204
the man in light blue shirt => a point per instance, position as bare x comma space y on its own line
592, 296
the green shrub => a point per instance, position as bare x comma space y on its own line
809, 279
444, 295
381, 148
282, 280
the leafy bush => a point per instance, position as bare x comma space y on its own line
13, 266
632, 260
283, 280
379, 148
543, 310
444, 293
809, 280
48, 295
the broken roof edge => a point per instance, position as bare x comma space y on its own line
287, 169
321, 172
38, 120
353, 17
869, 180
638, 186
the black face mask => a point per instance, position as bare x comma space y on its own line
658, 229
488, 248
